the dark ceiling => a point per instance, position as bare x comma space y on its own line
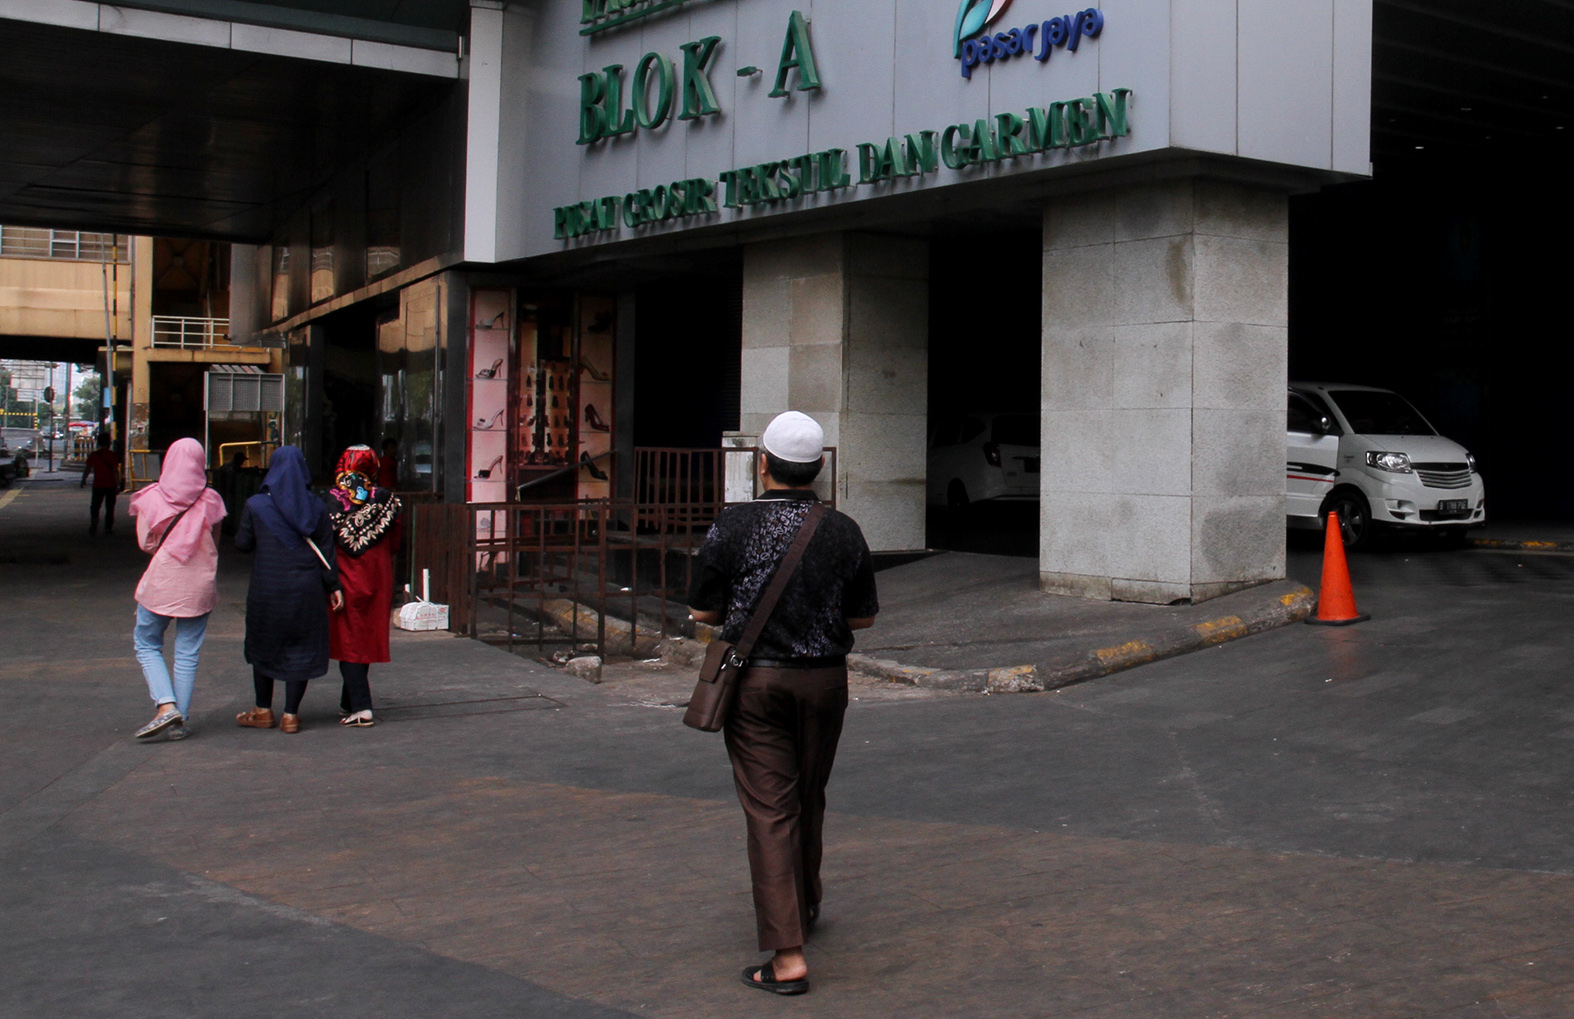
100, 131
109, 132
1454, 78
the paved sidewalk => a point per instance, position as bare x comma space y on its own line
958, 620
1364, 823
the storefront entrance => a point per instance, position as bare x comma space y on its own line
1396, 282
984, 361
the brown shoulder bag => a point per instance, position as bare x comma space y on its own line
718, 683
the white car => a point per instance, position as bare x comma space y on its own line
977, 457
1373, 459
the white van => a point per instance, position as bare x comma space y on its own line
1369, 456
980, 457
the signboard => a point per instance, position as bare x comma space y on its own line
619, 120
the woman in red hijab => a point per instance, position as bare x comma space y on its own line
365, 521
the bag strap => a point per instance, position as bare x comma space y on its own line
773, 593
175, 523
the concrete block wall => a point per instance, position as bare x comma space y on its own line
1164, 373
837, 326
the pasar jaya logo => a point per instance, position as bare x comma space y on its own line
975, 45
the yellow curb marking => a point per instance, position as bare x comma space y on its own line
1015, 679
1216, 631
5, 500
1132, 652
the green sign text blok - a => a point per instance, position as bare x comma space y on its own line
603, 113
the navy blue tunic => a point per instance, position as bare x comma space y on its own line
287, 602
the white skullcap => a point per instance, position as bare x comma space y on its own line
794, 437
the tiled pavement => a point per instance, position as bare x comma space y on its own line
1272, 829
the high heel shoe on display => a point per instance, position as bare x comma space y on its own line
487, 474
594, 419
594, 372
602, 323
484, 423
590, 465
490, 373
495, 323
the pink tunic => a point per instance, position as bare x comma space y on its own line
180, 589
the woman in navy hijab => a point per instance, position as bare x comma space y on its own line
294, 585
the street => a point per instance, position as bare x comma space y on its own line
1368, 821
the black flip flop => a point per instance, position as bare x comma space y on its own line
768, 981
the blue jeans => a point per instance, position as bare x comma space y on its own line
149, 641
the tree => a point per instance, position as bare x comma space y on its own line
84, 400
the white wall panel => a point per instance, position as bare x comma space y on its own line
483, 134
518, 119
1286, 81
1203, 75
1352, 96
709, 139
1124, 57
855, 64
771, 129
929, 91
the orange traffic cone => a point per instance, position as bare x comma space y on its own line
1336, 600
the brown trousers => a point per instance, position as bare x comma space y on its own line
781, 737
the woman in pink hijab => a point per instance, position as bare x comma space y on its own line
178, 525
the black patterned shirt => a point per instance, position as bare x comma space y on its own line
833, 583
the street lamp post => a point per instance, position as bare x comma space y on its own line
49, 397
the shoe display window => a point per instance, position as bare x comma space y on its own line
563, 404
593, 415
544, 435
491, 334
541, 395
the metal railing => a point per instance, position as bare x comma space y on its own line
599, 576
142, 467
183, 333
78, 447
681, 487
258, 454
581, 576
66, 245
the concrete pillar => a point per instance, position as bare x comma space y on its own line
837, 326
1164, 374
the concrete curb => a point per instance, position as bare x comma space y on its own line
1283, 603
1522, 545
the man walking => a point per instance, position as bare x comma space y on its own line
105, 471
782, 731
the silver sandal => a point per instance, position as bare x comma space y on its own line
160, 723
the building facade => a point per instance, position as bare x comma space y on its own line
151, 315
661, 224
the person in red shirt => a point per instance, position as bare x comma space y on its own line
105, 471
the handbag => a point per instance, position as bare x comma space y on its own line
724, 662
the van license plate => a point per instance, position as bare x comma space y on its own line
1453, 507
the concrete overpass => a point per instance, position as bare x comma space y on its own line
205, 118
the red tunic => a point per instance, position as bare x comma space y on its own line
360, 632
